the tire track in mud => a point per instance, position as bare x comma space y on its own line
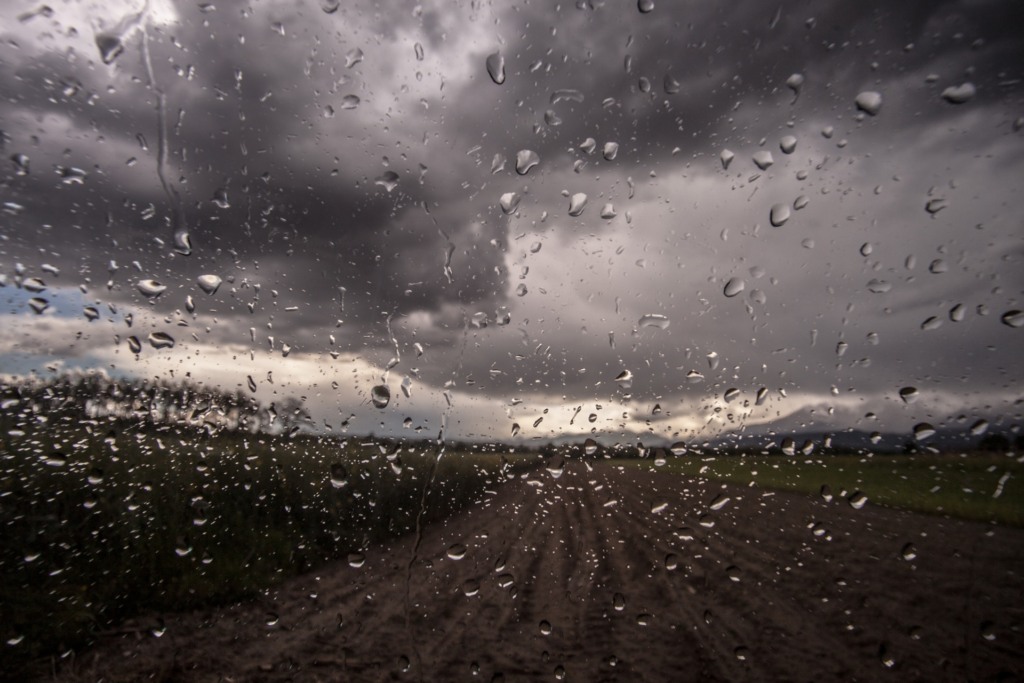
568, 577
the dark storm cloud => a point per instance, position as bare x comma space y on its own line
263, 120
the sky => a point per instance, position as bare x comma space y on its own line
349, 172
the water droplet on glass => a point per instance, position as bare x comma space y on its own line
869, 102
678, 448
134, 344
670, 84
566, 95
763, 159
330, 6
589, 145
496, 68
931, 323
525, 160
339, 476
353, 57
209, 283
1013, 318
608, 211
957, 313
110, 46
787, 144
545, 627
21, 164
577, 203
909, 394
795, 82
456, 551
959, 94
779, 215
619, 602
726, 158
908, 552
161, 340
349, 102
497, 164
150, 288
933, 206
654, 320
734, 286
876, 286
731, 394
857, 500
418, 49
624, 379
380, 396
220, 198
388, 180
611, 150
509, 202
923, 431
800, 202
645, 6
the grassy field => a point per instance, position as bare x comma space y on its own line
104, 521
963, 486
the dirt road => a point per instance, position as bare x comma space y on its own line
621, 574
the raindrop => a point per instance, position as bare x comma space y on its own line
418, 49
497, 164
933, 206
654, 320
908, 552
787, 144
731, 394
869, 102
795, 82
876, 286
726, 158
353, 57
763, 159
779, 215
956, 314
456, 551
624, 379
151, 288
931, 323
590, 447
761, 396
611, 150
134, 344
509, 201
545, 627
349, 102
388, 180
330, 6
339, 476
470, 587
857, 500
1013, 318
734, 286
380, 395
645, 6
678, 448
525, 160
909, 394
220, 198
20, 164
161, 340
209, 283
589, 145
923, 431
556, 466
577, 203
110, 46
671, 562
608, 211
496, 68
356, 560
800, 202
515, 429
670, 84
566, 95
959, 94
619, 602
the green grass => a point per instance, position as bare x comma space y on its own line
961, 486
103, 520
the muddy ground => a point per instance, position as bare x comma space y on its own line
622, 574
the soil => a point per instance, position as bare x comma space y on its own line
618, 573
